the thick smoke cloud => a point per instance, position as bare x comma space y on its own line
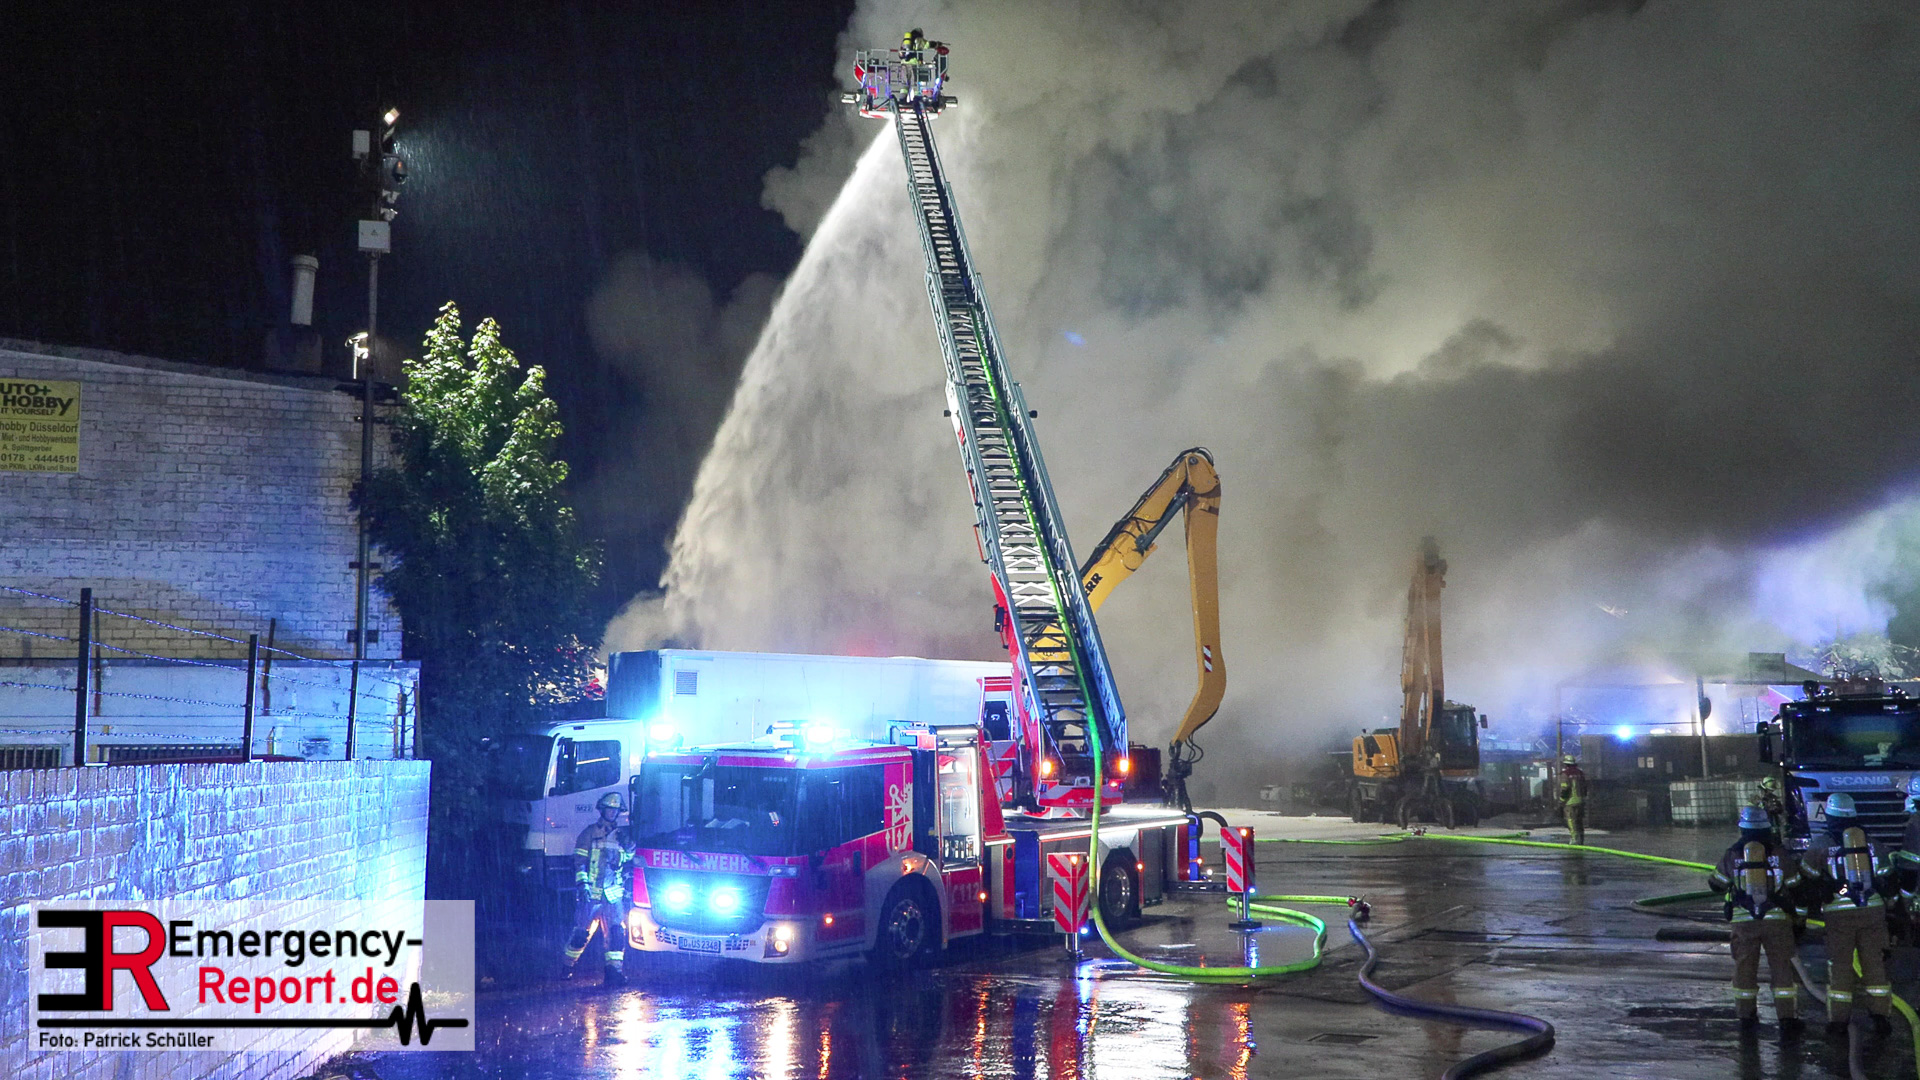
1617, 300
661, 325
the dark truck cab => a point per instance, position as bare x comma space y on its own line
1866, 745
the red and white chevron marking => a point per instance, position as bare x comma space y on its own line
1206, 657
1236, 845
1070, 892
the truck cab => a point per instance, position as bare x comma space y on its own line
1866, 745
796, 848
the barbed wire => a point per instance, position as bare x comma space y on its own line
98, 610
43, 596
365, 672
230, 665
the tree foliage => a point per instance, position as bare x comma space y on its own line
484, 560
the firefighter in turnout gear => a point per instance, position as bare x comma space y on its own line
1772, 802
1573, 797
1756, 873
1851, 872
601, 857
1906, 862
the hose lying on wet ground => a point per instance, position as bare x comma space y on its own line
1650, 905
1190, 972
1538, 1042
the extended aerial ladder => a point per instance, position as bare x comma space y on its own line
1189, 486
1063, 682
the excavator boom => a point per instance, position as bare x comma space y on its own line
1422, 674
1189, 485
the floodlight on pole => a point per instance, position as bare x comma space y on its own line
386, 171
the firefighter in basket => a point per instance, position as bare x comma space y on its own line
601, 860
1757, 873
1852, 873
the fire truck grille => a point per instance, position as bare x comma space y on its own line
703, 903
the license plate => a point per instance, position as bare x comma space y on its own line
696, 943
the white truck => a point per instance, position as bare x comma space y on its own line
684, 698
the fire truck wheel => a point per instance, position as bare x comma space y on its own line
1356, 805
1119, 898
908, 927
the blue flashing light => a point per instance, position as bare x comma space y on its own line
1623, 732
724, 901
661, 733
818, 736
677, 896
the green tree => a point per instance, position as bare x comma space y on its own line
484, 562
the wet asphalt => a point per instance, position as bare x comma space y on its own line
1548, 933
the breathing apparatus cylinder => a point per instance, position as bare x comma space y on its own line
1859, 863
1754, 878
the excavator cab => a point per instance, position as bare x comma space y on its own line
1376, 754
1456, 738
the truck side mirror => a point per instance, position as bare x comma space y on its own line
1766, 740
1483, 719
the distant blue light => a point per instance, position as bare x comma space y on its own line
1074, 338
1623, 733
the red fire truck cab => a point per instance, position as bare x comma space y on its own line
797, 848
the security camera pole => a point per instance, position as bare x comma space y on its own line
384, 167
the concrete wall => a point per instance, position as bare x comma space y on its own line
209, 498
284, 842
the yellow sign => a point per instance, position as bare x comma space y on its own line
39, 426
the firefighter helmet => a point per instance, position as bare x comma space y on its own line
612, 801
1841, 805
1752, 817
1769, 783
1569, 759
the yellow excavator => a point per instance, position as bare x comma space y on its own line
1190, 486
1428, 769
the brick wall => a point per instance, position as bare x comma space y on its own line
285, 843
208, 498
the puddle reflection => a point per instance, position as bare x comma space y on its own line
1093, 1025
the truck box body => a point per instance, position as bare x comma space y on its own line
704, 698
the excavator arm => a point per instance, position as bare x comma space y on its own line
1190, 486
1422, 674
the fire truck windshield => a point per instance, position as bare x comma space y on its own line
1855, 735
712, 807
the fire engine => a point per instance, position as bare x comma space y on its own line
897, 839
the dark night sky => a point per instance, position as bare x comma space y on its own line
163, 162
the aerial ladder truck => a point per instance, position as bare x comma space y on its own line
1428, 769
1063, 683
836, 835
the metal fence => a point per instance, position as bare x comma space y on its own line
93, 698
